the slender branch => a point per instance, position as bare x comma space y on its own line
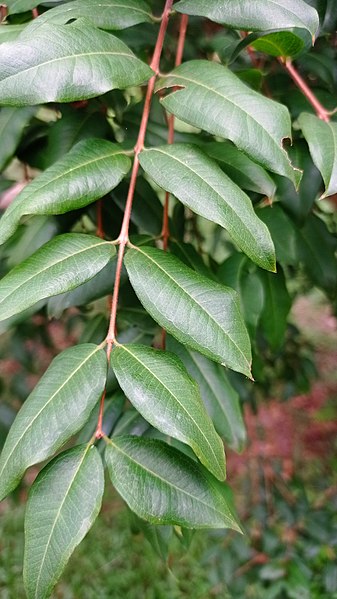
99, 223
165, 233
321, 112
123, 237
3, 12
35, 13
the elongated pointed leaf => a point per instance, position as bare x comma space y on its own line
221, 400
89, 171
17, 6
81, 62
12, 124
64, 502
60, 265
198, 182
322, 141
194, 309
232, 107
106, 14
159, 386
163, 486
276, 308
58, 407
259, 15
244, 172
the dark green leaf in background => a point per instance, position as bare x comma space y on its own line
12, 124
67, 63
276, 308
60, 265
89, 171
259, 15
198, 182
232, 109
194, 309
220, 399
160, 388
163, 486
56, 409
63, 503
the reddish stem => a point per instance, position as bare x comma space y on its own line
321, 112
99, 229
3, 12
123, 237
35, 13
165, 233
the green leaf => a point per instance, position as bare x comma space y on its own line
8, 33
107, 14
12, 124
283, 233
259, 15
89, 171
232, 109
17, 6
221, 400
199, 183
240, 168
60, 265
322, 141
63, 503
160, 388
316, 248
57, 408
82, 62
194, 309
276, 308
163, 486
284, 43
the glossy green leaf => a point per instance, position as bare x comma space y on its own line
276, 308
221, 400
163, 486
322, 141
282, 43
232, 107
244, 172
198, 182
259, 15
8, 33
63, 503
194, 309
12, 124
106, 14
89, 171
283, 232
160, 388
62, 264
56, 409
81, 62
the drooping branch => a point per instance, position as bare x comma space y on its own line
123, 237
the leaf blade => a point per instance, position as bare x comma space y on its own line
52, 527
231, 107
166, 494
196, 310
79, 53
199, 183
86, 173
160, 388
48, 407
60, 265
12, 124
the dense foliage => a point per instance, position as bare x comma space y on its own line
194, 193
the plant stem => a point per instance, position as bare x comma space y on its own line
99, 226
321, 112
165, 233
123, 237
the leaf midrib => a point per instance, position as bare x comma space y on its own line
167, 483
59, 389
67, 57
178, 401
36, 274
194, 300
